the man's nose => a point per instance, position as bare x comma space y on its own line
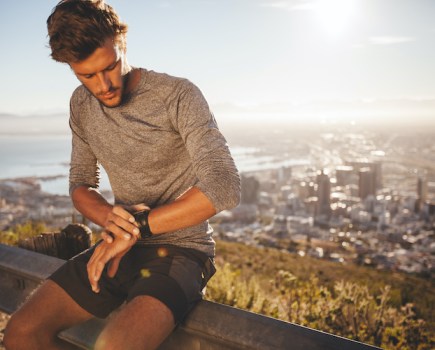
105, 83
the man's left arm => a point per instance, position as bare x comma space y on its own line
217, 175
191, 208
218, 182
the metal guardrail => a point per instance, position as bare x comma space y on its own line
209, 326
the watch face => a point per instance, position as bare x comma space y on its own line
142, 220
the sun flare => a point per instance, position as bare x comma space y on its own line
335, 16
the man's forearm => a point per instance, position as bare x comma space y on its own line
91, 204
190, 209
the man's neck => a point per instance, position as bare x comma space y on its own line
132, 78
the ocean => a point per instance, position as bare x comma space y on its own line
48, 156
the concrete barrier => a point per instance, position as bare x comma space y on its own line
209, 326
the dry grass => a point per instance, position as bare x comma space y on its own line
3, 320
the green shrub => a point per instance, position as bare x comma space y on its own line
348, 309
22, 231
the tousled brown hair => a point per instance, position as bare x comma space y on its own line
76, 28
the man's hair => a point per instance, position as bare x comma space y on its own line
76, 28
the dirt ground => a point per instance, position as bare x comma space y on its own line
3, 320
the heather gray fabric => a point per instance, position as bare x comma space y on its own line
157, 144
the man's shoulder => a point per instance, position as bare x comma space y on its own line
79, 95
165, 82
163, 78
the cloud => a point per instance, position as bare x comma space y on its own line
291, 5
390, 40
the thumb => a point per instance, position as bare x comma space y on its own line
139, 207
113, 267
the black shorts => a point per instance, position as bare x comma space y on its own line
175, 276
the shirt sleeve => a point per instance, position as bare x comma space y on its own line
218, 177
84, 168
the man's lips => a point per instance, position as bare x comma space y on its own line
108, 95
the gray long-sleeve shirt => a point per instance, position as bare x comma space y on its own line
156, 145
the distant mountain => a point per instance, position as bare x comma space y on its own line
406, 111
7, 115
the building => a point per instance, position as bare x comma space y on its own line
421, 194
375, 168
366, 183
323, 194
345, 175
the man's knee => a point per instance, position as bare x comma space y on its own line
143, 323
20, 333
106, 341
16, 333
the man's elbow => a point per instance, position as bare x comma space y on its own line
235, 198
233, 195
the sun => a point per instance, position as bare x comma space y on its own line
335, 16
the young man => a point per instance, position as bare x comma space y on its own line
170, 170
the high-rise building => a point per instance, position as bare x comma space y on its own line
367, 183
421, 194
422, 188
344, 175
375, 168
323, 194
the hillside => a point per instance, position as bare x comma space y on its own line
264, 263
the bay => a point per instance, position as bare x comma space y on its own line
48, 157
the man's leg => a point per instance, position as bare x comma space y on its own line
47, 312
143, 324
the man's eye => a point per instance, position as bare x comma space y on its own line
89, 76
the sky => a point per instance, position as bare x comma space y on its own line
289, 60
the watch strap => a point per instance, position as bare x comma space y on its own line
141, 218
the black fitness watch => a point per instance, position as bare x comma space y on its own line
141, 218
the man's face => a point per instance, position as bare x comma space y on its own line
102, 73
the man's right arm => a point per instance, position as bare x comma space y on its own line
114, 219
84, 180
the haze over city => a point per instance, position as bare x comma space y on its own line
293, 61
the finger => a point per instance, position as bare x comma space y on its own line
121, 223
139, 207
113, 267
111, 255
96, 265
90, 269
122, 229
107, 237
123, 213
98, 271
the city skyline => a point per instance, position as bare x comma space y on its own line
311, 60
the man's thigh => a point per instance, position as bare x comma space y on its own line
175, 276
143, 323
49, 309
73, 278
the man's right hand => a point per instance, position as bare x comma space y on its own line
119, 224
